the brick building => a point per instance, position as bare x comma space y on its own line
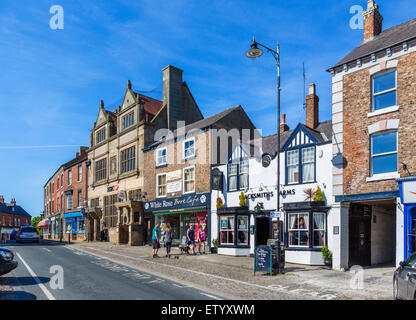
53, 204
178, 171
374, 120
12, 216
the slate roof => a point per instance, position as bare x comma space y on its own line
83, 156
150, 105
8, 208
386, 39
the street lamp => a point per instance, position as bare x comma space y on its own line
255, 52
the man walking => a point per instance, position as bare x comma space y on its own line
156, 240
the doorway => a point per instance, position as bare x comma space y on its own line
148, 227
360, 235
262, 230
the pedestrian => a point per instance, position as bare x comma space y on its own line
190, 234
168, 240
201, 238
3, 238
156, 240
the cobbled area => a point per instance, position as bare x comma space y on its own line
233, 278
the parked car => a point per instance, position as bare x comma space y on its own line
13, 235
27, 233
7, 262
404, 280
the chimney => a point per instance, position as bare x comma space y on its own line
283, 126
91, 140
172, 95
82, 150
13, 202
373, 21
1, 199
312, 107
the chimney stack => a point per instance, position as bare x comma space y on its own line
312, 107
1, 199
283, 126
373, 21
13, 202
172, 95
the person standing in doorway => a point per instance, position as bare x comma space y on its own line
168, 240
190, 234
155, 240
201, 238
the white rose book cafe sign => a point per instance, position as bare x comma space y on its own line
184, 201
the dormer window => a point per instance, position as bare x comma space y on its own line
100, 136
128, 120
300, 165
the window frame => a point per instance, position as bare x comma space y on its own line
373, 94
158, 164
70, 197
101, 135
300, 164
127, 164
372, 156
69, 176
157, 185
184, 181
80, 172
127, 120
100, 172
184, 149
238, 173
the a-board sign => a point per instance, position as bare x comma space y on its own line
263, 259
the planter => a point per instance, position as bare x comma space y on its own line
328, 262
213, 249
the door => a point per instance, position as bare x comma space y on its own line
360, 235
262, 230
148, 227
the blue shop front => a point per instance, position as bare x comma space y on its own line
74, 225
407, 188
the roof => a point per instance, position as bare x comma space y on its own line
13, 209
269, 143
150, 105
82, 157
386, 39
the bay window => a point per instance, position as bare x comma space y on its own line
384, 90
242, 230
384, 152
227, 230
319, 228
306, 230
298, 229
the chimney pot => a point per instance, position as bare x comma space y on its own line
373, 21
283, 126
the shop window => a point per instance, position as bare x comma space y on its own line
227, 230
161, 185
189, 180
384, 152
161, 157
81, 226
298, 229
128, 159
189, 149
384, 90
319, 229
242, 230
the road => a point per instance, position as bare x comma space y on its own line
86, 277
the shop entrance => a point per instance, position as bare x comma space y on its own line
262, 230
360, 235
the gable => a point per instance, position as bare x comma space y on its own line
102, 118
237, 152
299, 137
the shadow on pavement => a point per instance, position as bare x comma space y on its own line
30, 244
25, 281
16, 295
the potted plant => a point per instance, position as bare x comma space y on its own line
243, 202
219, 203
327, 256
214, 246
309, 194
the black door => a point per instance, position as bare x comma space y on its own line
262, 230
148, 227
360, 235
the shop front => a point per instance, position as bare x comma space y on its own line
45, 226
407, 189
179, 213
74, 225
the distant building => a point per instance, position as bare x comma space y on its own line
12, 216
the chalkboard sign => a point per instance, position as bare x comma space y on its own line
263, 259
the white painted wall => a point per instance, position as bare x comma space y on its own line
383, 235
400, 232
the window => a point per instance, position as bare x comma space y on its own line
62, 180
101, 170
128, 120
161, 185
81, 226
227, 230
69, 201
238, 175
100, 135
69, 177
308, 164
242, 230
298, 229
128, 159
189, 149
384, 152
384, 90
79, 172
110, 211
80, 198
293, 166
189, 180
161, 157
319, 234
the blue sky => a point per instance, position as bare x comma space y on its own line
51, 81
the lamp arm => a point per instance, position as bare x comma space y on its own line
274, 53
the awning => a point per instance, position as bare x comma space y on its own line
43, 223
73, 215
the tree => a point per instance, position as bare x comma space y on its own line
35, 222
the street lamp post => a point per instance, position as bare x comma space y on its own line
255, 52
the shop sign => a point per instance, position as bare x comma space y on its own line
409, 191
113, 188
174, 186
174, 175
259, 195
184, 201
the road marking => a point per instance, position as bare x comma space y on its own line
210, 296
47, 249
34, 276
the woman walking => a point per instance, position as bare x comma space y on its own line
168, 240
190, 234
201, 238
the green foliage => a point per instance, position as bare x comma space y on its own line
215, 242
242, 200
219, 203
319, 196
309, 194
35, 222
326, 253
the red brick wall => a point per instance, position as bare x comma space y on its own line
357, 103
76, 185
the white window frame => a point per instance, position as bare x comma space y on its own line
70, 204
382, 92
184, 182
80, 173
70, 177
313, 230
303, 163
159, 157
382, 154
298, 230
157, 185
234, 217
184, 150
296, 151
